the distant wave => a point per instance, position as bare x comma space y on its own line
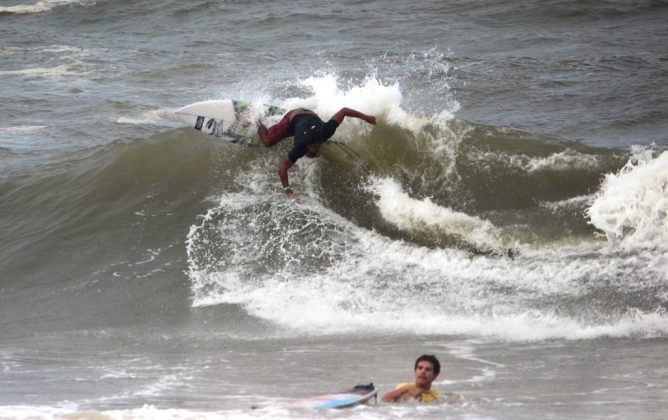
40, 6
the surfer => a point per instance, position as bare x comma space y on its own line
427, 368
309, 133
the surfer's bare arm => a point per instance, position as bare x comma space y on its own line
400, 392
283, 174
349, 112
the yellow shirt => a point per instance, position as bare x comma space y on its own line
426, 395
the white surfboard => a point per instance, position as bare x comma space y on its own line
225, 118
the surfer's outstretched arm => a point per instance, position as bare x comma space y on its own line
349, 112
283, 174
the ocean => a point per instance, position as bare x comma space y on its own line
508, 213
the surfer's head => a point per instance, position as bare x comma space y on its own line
427, 369
436, 365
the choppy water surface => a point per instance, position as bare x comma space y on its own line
508, 213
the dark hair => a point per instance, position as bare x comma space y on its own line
431, 359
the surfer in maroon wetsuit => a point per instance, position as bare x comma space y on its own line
309, 133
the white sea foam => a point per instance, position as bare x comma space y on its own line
336, 307
426, 217
40, 6
385, 286
21, 129
633, 204
61, 70
57, 50
570, 203
160, 116
371, 96
74, 61
566, 160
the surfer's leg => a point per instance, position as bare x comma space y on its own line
275, 133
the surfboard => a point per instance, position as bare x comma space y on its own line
360, 394
225, 118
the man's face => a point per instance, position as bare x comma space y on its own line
312, 150
424, 373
